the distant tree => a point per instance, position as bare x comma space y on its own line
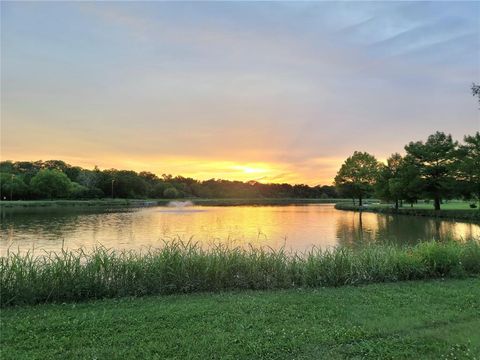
157, 189
329, 191
88, 178
468, 166
27, 169
6, 166
148, 176
435, 159
78, 191
12, 187
126, 184
170, 193
357, 175
51, 184
130, 184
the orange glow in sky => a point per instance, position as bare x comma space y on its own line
266, 91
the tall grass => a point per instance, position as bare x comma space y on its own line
185, 267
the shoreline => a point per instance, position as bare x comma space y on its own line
469, 215
472, 215
19, 204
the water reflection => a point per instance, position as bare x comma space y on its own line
295, 227
361, 228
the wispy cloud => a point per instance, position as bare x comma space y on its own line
295, 85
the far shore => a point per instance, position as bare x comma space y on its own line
455, 210
4, 204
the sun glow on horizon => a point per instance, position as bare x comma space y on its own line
250, 169
233, 90
317, 172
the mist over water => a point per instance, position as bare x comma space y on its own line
297, 227
180, 204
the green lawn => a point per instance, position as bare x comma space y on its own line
434, 319
451, 205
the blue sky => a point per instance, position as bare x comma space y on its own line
276, 91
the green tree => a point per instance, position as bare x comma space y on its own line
78, 191
6, 166
406, 184
469, 166
385, 187
357, 175
435, 160
51, 184
170, 193
156, 190
12, 187
27, 169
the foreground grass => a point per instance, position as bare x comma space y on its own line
414, 320
185, 268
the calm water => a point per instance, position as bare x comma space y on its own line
295, 227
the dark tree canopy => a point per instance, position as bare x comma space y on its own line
358, 175
386, 188
437, 169
51, 184
468, 166
96, 183
434, 159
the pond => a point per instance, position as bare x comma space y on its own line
296, 227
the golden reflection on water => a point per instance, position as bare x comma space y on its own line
294, 227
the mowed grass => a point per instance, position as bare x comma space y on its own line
72, 276
438, 319
450, 205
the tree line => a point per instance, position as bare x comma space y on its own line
437, 169
55, 179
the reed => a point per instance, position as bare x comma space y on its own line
178, 267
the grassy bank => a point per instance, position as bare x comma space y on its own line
265, 201
68, 203
447, 213
22, 204
186, 268
406, 320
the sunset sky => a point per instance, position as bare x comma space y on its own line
269, 91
